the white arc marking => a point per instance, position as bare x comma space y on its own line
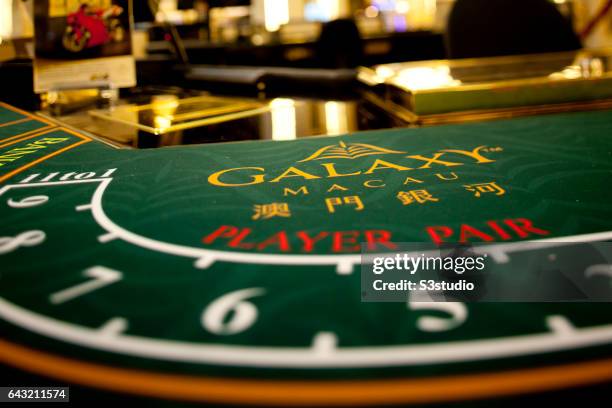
292, 357
101, 276
343, 263
296, 357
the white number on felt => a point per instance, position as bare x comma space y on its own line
25, 239
244, 312
100, 277
456, 310
28, 202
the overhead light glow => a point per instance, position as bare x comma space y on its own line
283, 119
276, 13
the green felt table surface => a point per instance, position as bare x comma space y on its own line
236, 266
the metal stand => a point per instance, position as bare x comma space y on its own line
67, 98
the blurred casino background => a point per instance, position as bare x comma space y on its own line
260, 22
303, 57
